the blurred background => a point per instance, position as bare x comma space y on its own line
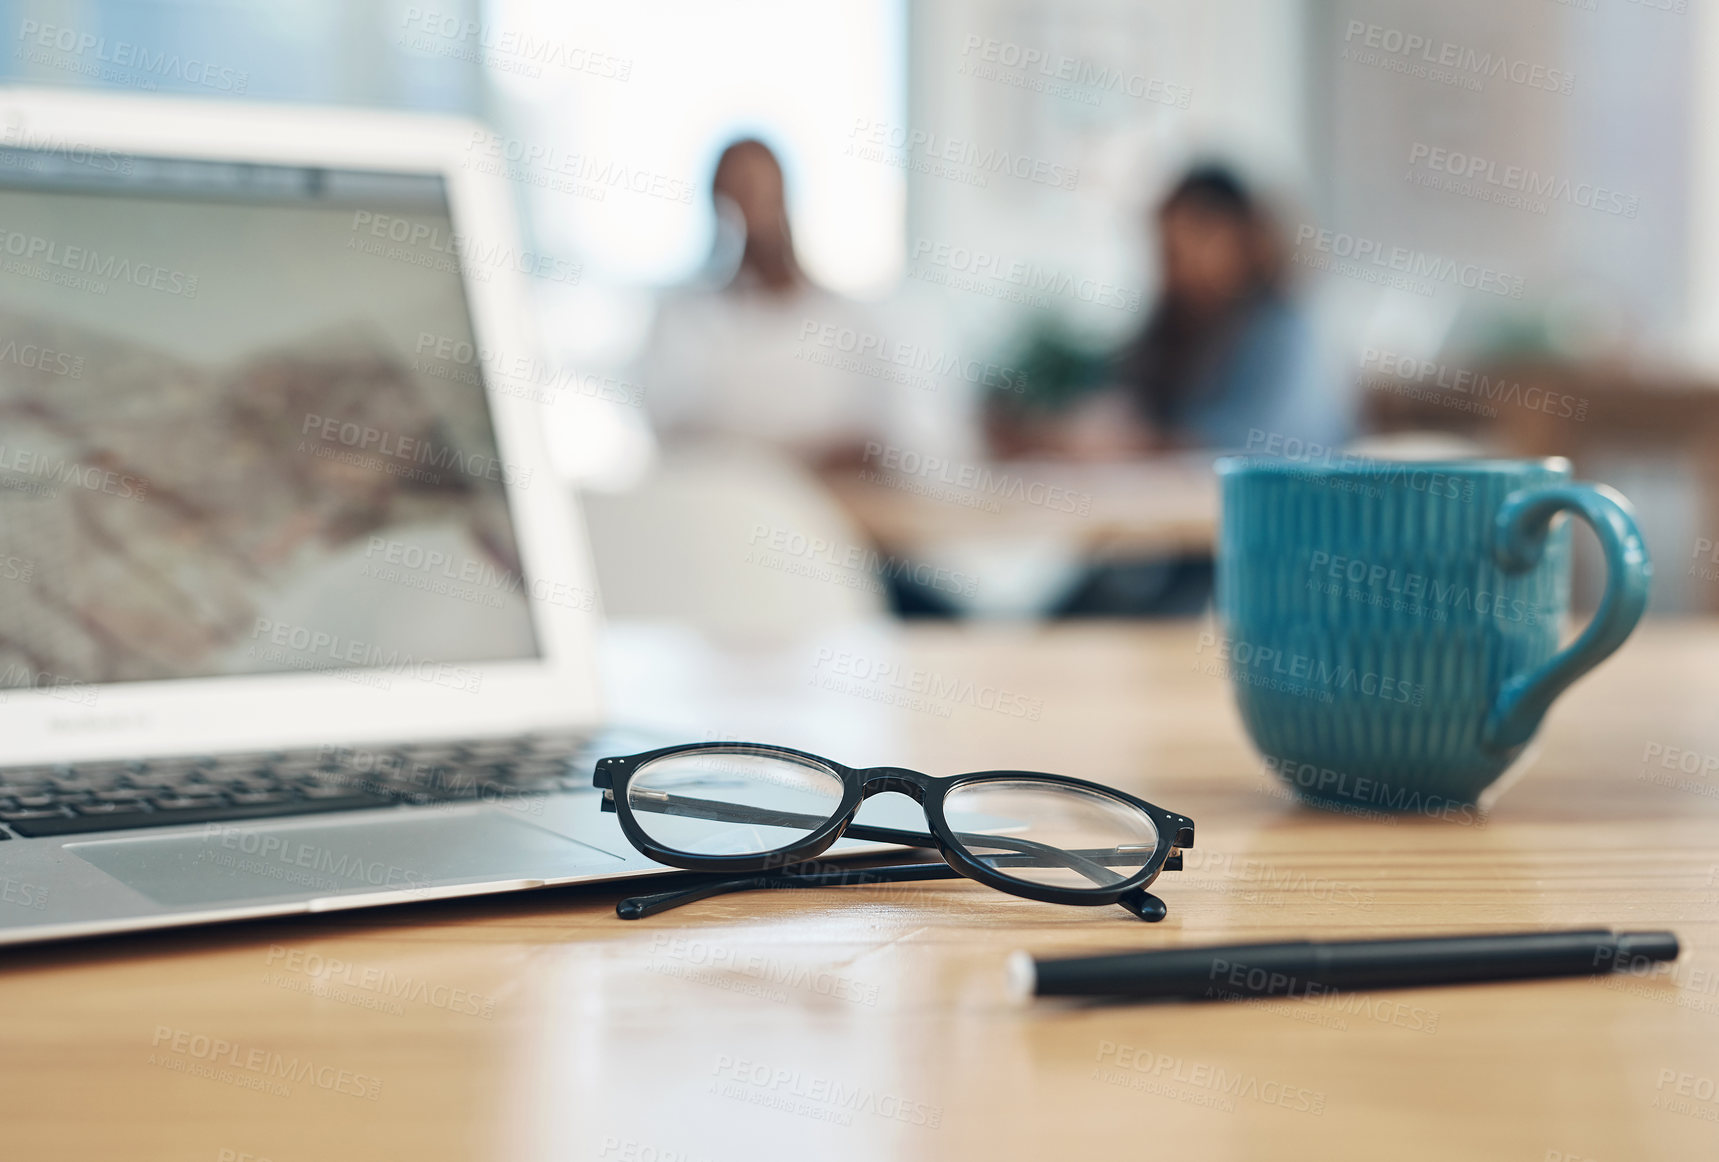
894, 308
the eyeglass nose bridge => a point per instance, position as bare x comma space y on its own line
877, 780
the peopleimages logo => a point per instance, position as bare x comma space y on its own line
20, 676
308, 647
1686, 1086
1465, 386
255, 1068
1445, 61
1471, 167
432, 570
1062, 75
1705, 549
1234, 980
581, 174
29, 466
110, 60
821, 1098
519, 375
345, 868
427, 236
508, 49
410, 450
862, 345
1674, 758
952, 157
1032, 278
1260, 880
852, 566
889, 681
1361, 790
751, 973
903, 468
1290, 672
78, 152
335, 974
1417, 594
44, 359
1201, 1076
102, 268
1370, 253
1413, 475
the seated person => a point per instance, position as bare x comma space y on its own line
727, 356
1226, 350
1225, 353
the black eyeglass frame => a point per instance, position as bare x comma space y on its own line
1175, 832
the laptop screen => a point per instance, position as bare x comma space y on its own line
243, 428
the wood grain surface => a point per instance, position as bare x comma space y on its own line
873, 1023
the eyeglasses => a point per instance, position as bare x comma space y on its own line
740, 807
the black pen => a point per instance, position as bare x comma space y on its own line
1310, 968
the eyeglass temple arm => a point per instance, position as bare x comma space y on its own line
638, 907
1032, 854
1141, 903
1027, 852
690, 806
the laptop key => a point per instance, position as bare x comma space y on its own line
178, 782
122, 795
425, 754
296, 763
52, 823
27, 776
325, 791
494, 748
29, 816
145, 787
172, 768
258, 798
251, 782
186, 802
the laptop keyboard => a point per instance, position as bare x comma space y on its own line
74, 798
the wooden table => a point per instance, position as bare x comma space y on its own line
871, 1023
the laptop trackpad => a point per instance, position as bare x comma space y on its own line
229, 862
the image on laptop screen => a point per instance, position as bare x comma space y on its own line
241, 428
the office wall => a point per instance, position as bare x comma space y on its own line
1586, 100
1109, 99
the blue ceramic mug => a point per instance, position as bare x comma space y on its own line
1390, 628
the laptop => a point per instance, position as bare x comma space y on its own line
294, 615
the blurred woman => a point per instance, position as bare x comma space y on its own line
765, 389
1226, 351
745, 353
1226, 360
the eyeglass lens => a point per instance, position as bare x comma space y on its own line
732, 802
1051, 834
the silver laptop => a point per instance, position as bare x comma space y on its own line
294, 615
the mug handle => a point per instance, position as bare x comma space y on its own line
1519, 537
